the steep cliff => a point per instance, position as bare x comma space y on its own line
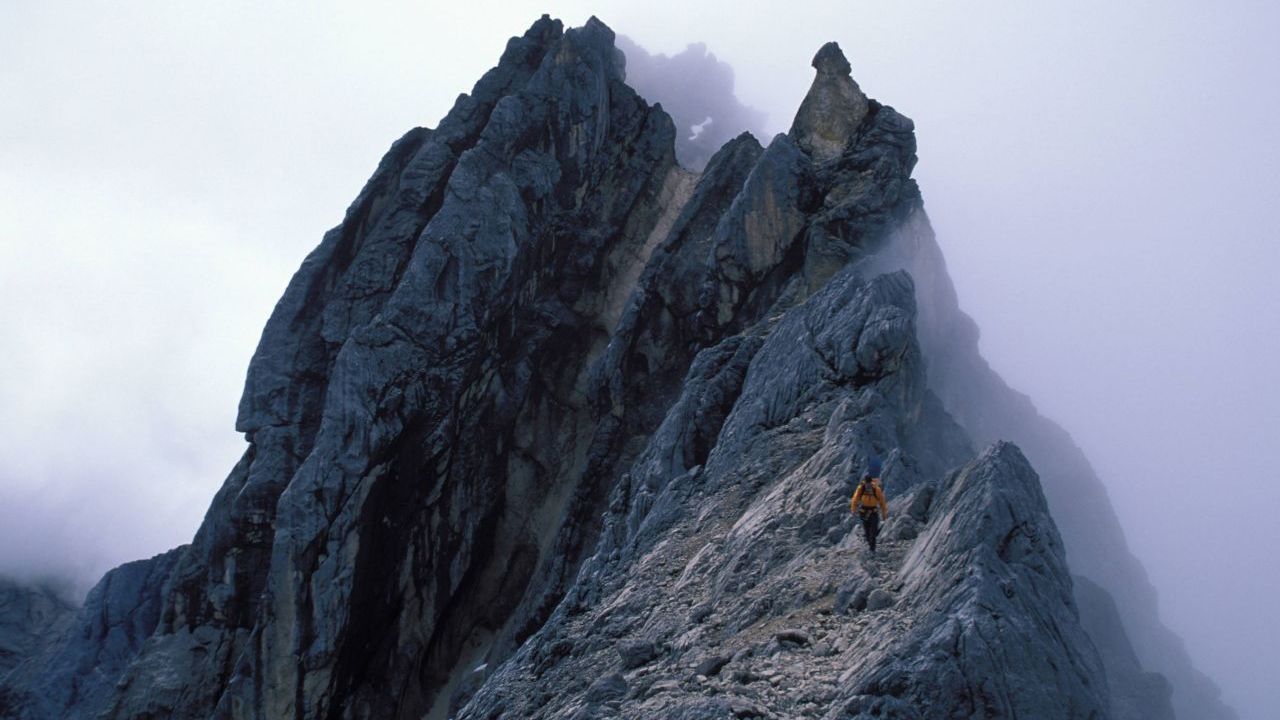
551, 426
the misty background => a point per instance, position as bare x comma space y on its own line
1104, 180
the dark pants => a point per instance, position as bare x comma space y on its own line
870, 526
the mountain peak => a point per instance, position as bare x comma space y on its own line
830, 60
832, 110
549, 422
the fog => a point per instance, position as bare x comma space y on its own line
1104, 179
697, 91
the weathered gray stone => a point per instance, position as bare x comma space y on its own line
701, 612
902, 527
833, 109
635, 653
546, 403
77, 674
31, 617
743, 708
853, 591
609, 687
712, 665
851, 346
989, 565
700, 709
793, 636
879, 599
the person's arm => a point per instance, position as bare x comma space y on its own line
884, 506
853, 501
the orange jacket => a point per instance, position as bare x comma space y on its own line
861, 500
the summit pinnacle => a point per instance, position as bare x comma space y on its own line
833, 108
830, 60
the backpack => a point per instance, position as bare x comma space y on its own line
868, 487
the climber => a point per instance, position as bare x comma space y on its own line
868, 502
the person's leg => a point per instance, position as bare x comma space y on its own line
865, 517
873, 529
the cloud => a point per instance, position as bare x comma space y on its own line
696, 90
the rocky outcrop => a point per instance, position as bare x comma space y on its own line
77, 676
736, 584
435, 459
833, 108
551, 426
991, 571
31, 617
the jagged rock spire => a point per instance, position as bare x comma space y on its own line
548, 419
832, 110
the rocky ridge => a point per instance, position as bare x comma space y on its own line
551, 426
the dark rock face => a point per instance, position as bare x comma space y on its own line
437, 456
31, 616
77, 676
748, 532
990, 567
551, 426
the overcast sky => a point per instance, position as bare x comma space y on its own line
1104, 179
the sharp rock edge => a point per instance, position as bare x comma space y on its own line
553, 427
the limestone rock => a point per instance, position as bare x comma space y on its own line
834, 376
553, 427
793, 636
712, 665
879, 599
635, 653
990, 565
832, 110
609, 687
31, 616
77, 675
